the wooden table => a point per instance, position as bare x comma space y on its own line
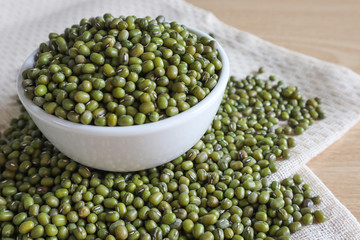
328, 30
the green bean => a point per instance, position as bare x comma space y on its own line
86, 61
217, 190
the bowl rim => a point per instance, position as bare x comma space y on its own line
134, 129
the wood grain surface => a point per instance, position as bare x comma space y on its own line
328, 30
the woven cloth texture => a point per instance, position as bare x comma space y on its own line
25, 24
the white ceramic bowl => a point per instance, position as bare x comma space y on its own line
129, 148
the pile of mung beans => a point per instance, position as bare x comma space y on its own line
217, 190
121, 71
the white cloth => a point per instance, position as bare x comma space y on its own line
25, 24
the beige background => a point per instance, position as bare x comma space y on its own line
328, 30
